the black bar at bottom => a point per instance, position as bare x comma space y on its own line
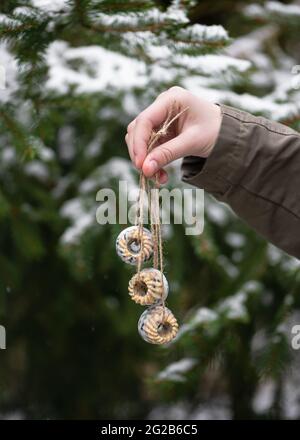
118, 429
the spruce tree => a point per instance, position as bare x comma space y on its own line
77, 72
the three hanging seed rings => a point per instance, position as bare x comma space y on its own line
136, 245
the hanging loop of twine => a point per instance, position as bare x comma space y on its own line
152, 196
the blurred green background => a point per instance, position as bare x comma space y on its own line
76, 73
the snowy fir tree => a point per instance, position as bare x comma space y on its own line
74, 73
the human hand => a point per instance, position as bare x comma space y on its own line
194, 132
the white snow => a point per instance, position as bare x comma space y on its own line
280, 104
7, 155
9, 21
283, 9
131, 104
175, 12
50, 5
66, 143
252, 286
134, 19
23, 10
73, 234
234, 306
254, 10
216, 212
235, 240
154, 49
212, 64
290, 264
37, 169
264, 397
44, 153
210, 409
264, 105
202, 316
252, 104
272, 8
116, 167
274, 254
259, 342
251, 47
175, 371
231, 270
199, 33
94, 147
81, 218
100, 69
278, 257
8, 73
291, 397
62, 185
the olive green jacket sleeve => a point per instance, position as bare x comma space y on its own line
254, 167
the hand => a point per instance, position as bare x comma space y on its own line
194, 132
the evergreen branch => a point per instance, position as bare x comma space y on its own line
207, 43
291, 121
151, 20
154, 27
124, 6
274, 12
197, 33
20, 24
16, 30
18, 133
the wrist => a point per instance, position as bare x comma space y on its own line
216, 121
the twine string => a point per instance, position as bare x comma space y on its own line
153, 205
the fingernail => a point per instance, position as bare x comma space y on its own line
152, 166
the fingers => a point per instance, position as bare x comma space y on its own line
140, 129
162, 174
166, 153
141, 135
129, 141
129, 149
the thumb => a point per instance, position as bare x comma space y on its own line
166, 153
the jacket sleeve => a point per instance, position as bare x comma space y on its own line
254, 167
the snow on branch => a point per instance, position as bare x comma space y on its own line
211, 64
90, 69
115, 168
279, 111
176, 371
279, 8
8, 21
235, 307
24, 11
81, 219
202, 317
201, 34
50, 5
231, 308
153, 20
273, 10
22, 19
98, 69
10, 68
